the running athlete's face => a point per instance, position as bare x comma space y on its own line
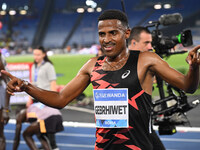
112, 37
38, 56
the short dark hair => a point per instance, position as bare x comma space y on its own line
135, 33
114, 14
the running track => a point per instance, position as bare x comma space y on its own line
81, 136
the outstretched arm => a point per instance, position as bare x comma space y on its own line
74, 88
189, 82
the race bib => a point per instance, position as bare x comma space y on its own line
111, 108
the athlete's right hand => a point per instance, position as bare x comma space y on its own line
15, 84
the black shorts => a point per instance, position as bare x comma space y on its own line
52, 124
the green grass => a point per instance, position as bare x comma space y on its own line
67, 66
178, 62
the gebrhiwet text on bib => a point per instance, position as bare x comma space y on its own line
111, 108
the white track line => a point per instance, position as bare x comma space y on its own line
80, 109
92, 125
59, 144
180, 140
60, 134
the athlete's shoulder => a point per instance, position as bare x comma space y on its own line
89, 65
93, 60
149, 56
96, 59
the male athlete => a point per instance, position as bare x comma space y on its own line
122, 83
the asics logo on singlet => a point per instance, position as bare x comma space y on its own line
124, 75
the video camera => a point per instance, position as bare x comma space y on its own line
163, 44
166, 116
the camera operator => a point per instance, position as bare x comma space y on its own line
140, 39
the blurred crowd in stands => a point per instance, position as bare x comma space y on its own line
11, 47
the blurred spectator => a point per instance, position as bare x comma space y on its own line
41, 116
4, 103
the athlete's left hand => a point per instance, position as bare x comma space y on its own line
193, 58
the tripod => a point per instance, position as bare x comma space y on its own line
167, 117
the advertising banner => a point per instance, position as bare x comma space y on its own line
22, 71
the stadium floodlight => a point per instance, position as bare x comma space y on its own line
23, 12
80, 10
91, 3
90, 10
94, 5
2, 12
157, 6
12, 12
25, 7
99, 9
4, 6
167, 6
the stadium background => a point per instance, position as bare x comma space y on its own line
57, 25
72, 38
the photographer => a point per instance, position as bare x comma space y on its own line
140, 39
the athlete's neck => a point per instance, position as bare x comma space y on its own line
117, 63
119, 57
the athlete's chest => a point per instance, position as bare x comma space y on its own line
123, 78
